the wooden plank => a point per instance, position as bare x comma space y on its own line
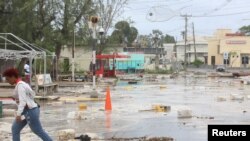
51, 98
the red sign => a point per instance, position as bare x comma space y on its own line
238, 42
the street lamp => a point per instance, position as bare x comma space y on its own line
101, 32
94, 20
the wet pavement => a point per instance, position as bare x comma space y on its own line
128, 119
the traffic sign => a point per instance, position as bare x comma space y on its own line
225, 55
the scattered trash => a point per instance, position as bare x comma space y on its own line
246, 82
65, 135
139, 139
82, 106
163, 87
94, 96
83, 138
158, 108
205, 117
132, 82
59, 103
5, 127
220, 99
76, 115
160, 139
236, 97
161, 108
128, 88
51, 98
9, 112
184, 113
70, 101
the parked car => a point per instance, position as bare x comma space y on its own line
220, 68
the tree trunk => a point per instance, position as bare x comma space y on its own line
20, 67
56, 60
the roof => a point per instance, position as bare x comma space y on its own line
111, 56
14, 48
198, 40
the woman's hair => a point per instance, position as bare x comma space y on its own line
11, 72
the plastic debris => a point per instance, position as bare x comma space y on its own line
220, 98
59, 103
70, 101
184, 113
236, 97
65, 135
161, 108
163, 87
83, 138
76, 115
9, 112
82, 106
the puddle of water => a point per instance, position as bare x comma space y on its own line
198, 94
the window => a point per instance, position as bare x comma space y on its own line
226, 61
244, 59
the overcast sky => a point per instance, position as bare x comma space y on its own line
207, 15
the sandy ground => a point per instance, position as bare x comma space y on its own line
129, 119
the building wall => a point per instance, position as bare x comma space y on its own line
169, 48
201, 50
213, 49
180, 50
136, 61
83, 56
82, 59
236, 46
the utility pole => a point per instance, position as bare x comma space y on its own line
174, 60
195, 55
185, 52
73, 56
185, 55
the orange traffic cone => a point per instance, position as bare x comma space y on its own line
108, 106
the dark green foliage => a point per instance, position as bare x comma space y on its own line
197, 63
245, 29
123, 33
169, 39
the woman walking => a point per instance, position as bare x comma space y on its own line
27, 107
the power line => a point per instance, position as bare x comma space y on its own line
158, 1
219, 7
221, 15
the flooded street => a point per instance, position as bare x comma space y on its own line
211, 101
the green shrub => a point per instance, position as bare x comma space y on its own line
160, 71
197, 63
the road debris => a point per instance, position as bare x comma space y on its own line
184, 113
76, 115
66, 134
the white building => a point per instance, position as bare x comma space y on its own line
82, 57
169, 49
201, 50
